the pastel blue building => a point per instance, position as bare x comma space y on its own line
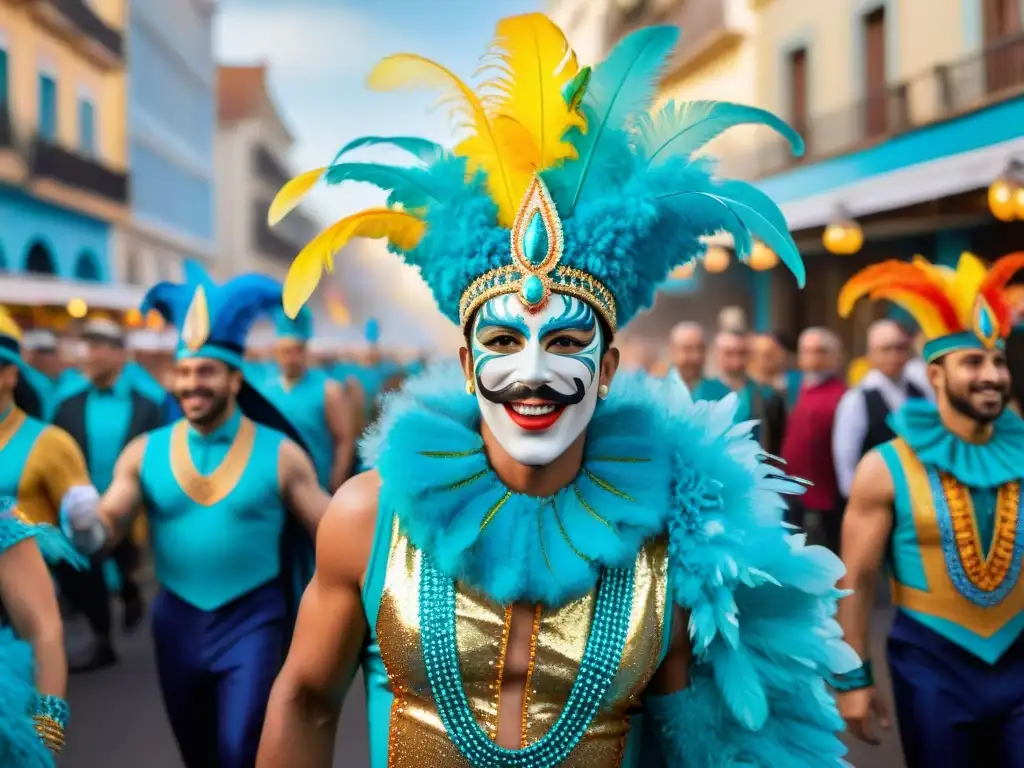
172, 131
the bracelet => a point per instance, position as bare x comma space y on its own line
50, 719
854, 680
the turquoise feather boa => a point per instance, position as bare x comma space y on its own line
760, 602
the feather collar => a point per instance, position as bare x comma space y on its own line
512, 547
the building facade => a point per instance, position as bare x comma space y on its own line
252, 165
173, 125
64, 184
910, 110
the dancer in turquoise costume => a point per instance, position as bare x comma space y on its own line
33, 670
313, 403
942, 502
549, 563
222, 487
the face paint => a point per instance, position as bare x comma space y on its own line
536, 374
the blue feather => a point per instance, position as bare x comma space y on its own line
237, 304
623, 85
422, 149
684, 128
756, 216
412, 187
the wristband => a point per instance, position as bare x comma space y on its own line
50, 719
854, 680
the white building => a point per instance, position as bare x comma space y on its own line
252, 150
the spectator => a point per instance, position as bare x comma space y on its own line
688, 352
807, 449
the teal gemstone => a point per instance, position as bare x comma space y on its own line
532, 290
536, 240
986, 325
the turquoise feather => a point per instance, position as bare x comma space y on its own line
685, 128
621, 86
20, 745
412, 187
424, 150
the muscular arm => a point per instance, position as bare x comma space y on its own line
124, 496
341, 425
302, 715
867, 525
300, 488
27, 593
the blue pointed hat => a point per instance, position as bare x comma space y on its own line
213, 320
301, 328
565, 182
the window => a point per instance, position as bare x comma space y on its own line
47, 107
876, 108
798, 90
86, 126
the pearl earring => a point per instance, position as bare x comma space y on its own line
470, 387
602, 391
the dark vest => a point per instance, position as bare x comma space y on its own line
877, 411
146, 416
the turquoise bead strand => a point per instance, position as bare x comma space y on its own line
601, 659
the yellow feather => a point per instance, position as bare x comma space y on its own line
8, 325
535, 62
402, 229
923, 312
483, 149
291, 194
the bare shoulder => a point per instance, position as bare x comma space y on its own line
333, 390
132, 454
872, 482
344, 539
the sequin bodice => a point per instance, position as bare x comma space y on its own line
416, 734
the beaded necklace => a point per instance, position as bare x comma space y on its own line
600, 664
984, 581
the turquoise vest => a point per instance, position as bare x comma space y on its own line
108, 414
211, 555
14, 455
907, 562
303, 406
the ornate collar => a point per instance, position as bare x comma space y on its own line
509, 546
986, 465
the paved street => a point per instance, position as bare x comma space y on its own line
118, 722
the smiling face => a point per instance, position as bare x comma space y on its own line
536, 374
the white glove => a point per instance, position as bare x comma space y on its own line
80, 521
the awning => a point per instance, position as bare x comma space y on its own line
43, 291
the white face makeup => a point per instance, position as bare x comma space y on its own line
536, 373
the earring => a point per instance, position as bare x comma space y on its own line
602, 391
470, 387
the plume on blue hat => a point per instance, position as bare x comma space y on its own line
301, 328
372, 331
213, 320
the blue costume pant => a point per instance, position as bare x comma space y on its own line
955, 710
216, 670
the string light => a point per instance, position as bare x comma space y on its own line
77, 308
716, 259
843, 238
762, 258
1002, 194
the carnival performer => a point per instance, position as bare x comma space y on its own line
313, 403
218, 487
33, 669
941, 501
539, 548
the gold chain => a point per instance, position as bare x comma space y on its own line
989, 573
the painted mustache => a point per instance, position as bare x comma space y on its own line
519, 391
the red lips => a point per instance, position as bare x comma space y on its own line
533, 423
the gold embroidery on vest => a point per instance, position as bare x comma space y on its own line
416, 735
987, 574
207, 490
529, 674
10, 425
942, 599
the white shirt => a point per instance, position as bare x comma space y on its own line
851, 422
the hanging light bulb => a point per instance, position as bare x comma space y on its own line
843, 238
1018, 203
133, 318
716, 259
77, 308
762, 258
1002, 195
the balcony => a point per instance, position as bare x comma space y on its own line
267, 240
266, 166
53, 162
76, 21
946, 91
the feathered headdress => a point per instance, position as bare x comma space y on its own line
213, 320
965, 308
563, 183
